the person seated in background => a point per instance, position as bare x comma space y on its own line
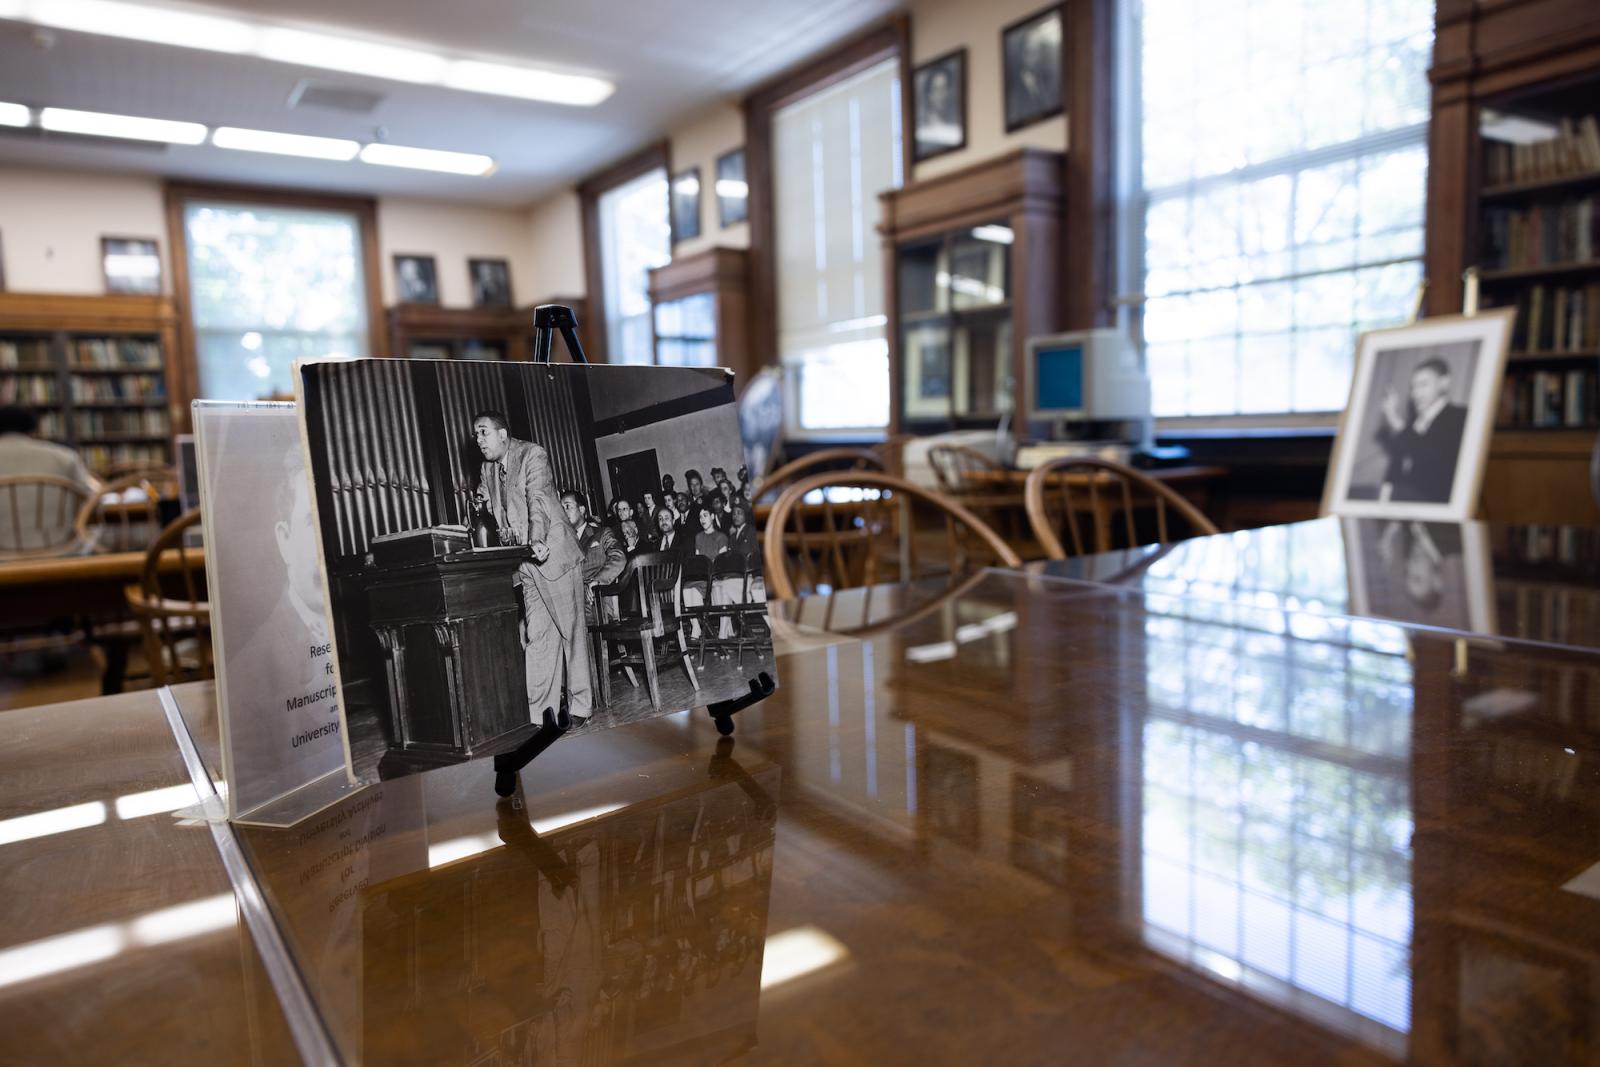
621, 512
695, 484
603, 556
687, 517
41, 523
709, 542
631, 542
666, 486
742, 532
647, 511
717, 505
668, 538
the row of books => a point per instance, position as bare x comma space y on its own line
1558, 232
28, 389
117, 352
1551, 398
1559, 319
24, 352
118, 387
100, 457
92, 423
52, 424
1574, 150
1574, 546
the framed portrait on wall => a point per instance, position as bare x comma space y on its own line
491, 283
131, 265
1414, 439
1031, 53
733, 190
416, 280
686, 205
939, 106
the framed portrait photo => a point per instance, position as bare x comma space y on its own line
939, 106
131, 265
733, 190
1414, 438
416, 280
1031, 54
686, 205
491, 283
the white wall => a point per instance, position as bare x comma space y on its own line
555, 246
698, 143
941, 26
699, 440
452, 234
51, 223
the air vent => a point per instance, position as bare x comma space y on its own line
334, 98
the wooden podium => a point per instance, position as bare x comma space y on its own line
447, 617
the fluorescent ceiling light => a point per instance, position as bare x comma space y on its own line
130, 127
285, 144
351, 56
160, 25
393, 155
13, 115
501, 80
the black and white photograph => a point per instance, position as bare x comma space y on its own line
131, 265
1414, 438
685, 200
491, 283
939, 106
733, 189
1436, 574
416, 280
501, 539
1031, 53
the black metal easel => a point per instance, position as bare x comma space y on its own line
547, 319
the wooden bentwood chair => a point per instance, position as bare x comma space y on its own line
827, 459
41, 516
171, 606
1077, 490
867, 529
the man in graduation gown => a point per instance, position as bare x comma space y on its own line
517, 483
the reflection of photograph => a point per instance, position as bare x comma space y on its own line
733, 191
269, 629
1520, 1001
472, 584
1415, 435
1425, 573
939, 105
491, 283
132, 265
416, 280
686, 204
1039, 820
947, 793
1031, 50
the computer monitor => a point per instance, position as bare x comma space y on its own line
1090, 376
188, 471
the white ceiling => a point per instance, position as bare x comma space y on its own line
669, 59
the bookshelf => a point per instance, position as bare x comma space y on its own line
98, 371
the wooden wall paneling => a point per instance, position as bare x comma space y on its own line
590, 190
891, 38
1088, 269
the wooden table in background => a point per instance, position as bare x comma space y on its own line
995, 490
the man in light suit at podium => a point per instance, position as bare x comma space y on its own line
517, 483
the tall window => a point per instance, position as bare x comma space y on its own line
635, 235
833, 153
269, 285
1278, 193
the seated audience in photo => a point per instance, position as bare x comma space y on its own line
687, 518
1422, 437
23, 453
668, 538
621, 512
666, 485
647, 508
632, 544
742, 532
695, 484
710, 542
603, 555
717, 506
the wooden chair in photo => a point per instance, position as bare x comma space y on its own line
726, 571
865, 527
1083, 496
647, 625
755, 629
40, 516
170, 602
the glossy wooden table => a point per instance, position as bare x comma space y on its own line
1000, 490
1029, 820
37, 590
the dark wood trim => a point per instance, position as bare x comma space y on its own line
890, 38
1089, 86
364, 208
590, 190
961, 89
661, 412
1066, 49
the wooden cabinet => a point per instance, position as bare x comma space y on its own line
973, 260
699, 312
100, 373
1505, 192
